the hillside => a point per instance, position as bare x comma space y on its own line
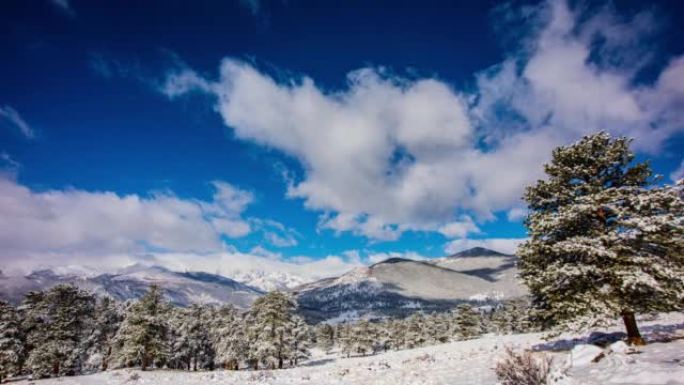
397, 287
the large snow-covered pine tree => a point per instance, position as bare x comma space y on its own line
603, 240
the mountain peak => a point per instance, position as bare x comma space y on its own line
392, 260
478, 252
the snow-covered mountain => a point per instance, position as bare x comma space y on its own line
394, 287
267, 281
132, 282
397, 287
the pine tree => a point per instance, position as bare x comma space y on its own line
142, 337
437, 328
512, 316
416, 331
11, 342
358, 339
603, 243
325, 337
108, 317
467, 323
383, 336
270, 323
301, 340
396, 330
192, 344
230, 338
59, 322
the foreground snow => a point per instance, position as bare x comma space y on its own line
464, 362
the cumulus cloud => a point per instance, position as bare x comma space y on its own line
373, 154
12, 117
577, 75
502, 245
387, 154
78, 221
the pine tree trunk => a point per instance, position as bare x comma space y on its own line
633, 335
280, 362
105, 359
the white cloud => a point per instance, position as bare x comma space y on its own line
459, 229
78, 221
516, 214
374, 154
564, 82
678, 174
502, 245
12, 117
386, 154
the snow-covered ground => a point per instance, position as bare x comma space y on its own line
463, 363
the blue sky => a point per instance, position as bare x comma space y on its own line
310, 135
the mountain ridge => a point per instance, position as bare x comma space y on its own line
399, 286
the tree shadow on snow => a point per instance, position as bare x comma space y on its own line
652, 333
322, 361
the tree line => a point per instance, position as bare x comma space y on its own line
68, 331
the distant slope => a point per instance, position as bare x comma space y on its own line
397, 287
132, 282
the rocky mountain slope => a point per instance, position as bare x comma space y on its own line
398, 287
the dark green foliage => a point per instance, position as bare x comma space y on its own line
57, 324
142, 339
604, 241
12, 345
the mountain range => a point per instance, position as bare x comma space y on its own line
180, 288
394, 287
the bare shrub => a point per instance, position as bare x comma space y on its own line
523, 368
